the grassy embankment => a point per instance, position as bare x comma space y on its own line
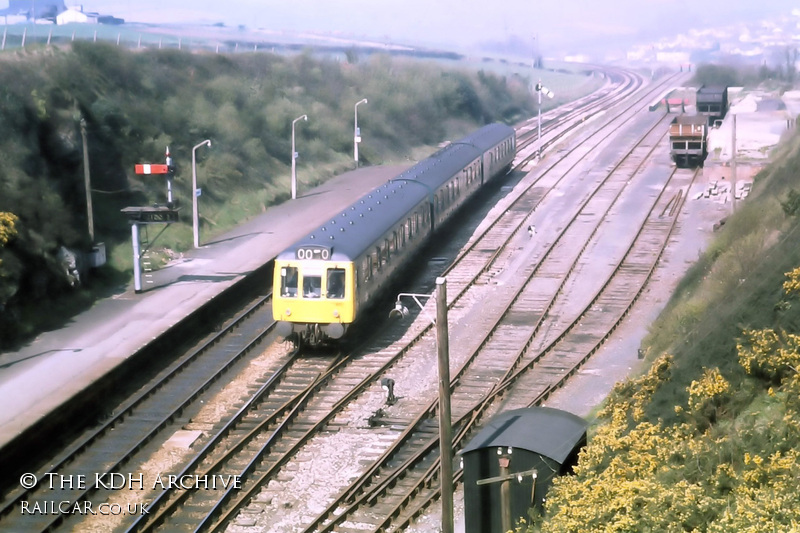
709, 438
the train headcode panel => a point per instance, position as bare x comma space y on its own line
311, 252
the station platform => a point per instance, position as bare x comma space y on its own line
58, 366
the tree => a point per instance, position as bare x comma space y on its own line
791, 62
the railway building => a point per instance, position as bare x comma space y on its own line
712, 103
511, 463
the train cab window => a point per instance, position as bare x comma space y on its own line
289, 282
335, 283
312, 285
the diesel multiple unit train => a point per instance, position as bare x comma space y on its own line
327, 279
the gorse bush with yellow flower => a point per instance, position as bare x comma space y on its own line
720, 464
698, 475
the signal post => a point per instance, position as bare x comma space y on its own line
150, 215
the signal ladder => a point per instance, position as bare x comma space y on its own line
147, 259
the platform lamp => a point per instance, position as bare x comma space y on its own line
356, 132
195, 194
294, 157
445, 422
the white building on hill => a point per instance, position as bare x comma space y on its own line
77, 14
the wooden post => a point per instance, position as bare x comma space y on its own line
445, 428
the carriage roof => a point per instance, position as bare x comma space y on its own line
358, 226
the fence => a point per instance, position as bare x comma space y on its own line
21, 36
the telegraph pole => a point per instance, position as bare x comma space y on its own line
445, 427
87, 181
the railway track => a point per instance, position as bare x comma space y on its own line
408, 468
542, 370
562, 121
155, 410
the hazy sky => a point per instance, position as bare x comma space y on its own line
557, 24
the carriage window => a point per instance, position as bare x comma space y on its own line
402, 236
335, 283
376, 258
312, 286
289, 282
367, 268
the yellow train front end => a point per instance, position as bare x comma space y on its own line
313, 300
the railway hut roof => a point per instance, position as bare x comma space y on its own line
549, 432
371, 216
689, 119
712, 93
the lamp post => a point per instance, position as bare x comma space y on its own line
294, 157
356, 133
445, 422
541, 89
195, 217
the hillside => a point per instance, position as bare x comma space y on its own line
136, 103
707, 439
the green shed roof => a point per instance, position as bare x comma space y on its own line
549, 432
